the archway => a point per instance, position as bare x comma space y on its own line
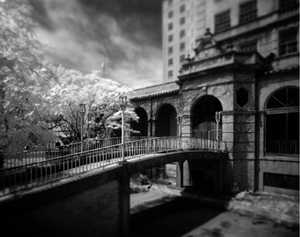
282, 121
203, 120
140, 127
166, 121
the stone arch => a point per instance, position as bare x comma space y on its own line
166, 121
203, 110
282, 121
140, 127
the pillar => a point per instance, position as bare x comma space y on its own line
179, 174
186, 125
187, 180
124, 200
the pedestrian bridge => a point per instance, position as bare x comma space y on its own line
150, 149
88, 193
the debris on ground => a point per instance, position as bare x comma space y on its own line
279, 208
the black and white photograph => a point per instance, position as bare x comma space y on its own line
149, 118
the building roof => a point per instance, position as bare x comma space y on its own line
155, 90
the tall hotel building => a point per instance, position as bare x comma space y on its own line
183, 21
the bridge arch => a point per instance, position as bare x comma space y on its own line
203, 110
166, 121
140, 127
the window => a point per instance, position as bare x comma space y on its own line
288, 41
242, 97
170, 14
170, 73
170, 38
182, 58
170, 61
182, 33
182, 8
248, 12
282, 122
222, 21
170, 26
281, 180
248, 46
182, 20
182, 46
288, 5
170, 50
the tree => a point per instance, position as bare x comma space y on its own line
100, 96
24, 76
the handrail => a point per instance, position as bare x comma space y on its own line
40, 173
28, 157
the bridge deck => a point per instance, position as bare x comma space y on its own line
31, 175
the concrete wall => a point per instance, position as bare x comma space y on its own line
89, 206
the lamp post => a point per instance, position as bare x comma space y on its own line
82, 112
123, 104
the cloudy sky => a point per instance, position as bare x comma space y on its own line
123, 34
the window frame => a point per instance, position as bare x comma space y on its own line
284, 8
287, 44
248, 43
182, 8
182, 20
182, 46
226, 25
182, 33
278, 111
247, 16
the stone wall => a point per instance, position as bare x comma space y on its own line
85, 207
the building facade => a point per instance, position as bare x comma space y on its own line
244, 67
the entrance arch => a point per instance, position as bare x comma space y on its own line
140, 127
203, 112
166, 121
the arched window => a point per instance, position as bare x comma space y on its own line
166, 121
203, 120
282, 121
140, 127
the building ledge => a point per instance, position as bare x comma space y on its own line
154, 91
258, 24
220, 61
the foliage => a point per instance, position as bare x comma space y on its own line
24, 76
101, 99
36, 94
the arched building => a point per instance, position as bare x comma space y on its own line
257, 92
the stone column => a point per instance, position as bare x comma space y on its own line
244, 149
179, 174
124, 200
186, 125
227, 138
187, 181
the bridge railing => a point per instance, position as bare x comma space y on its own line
40, 173
50, 152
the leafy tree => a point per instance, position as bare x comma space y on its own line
24, 76
101, 99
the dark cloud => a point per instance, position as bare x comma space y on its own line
125, 34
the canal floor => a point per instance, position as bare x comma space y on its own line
177, 216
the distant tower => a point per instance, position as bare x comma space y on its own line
103, 69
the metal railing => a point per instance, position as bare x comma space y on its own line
42, 172
51, 151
